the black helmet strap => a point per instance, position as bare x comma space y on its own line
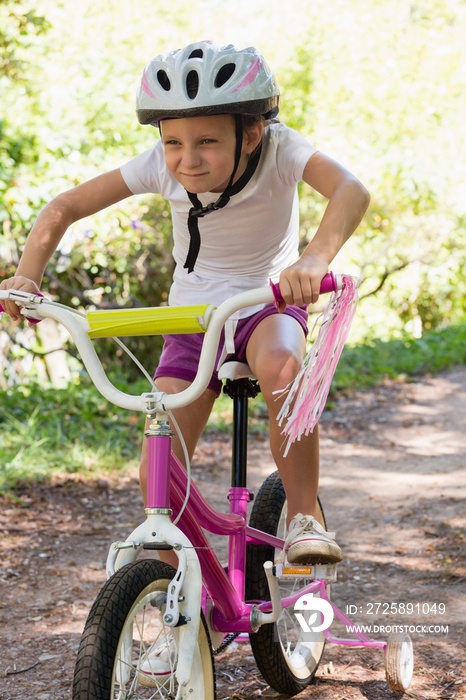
198, 211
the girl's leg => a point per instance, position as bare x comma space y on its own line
275, 354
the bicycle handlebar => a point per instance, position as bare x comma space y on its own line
38, 307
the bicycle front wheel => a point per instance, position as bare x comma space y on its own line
287, 662
127, 651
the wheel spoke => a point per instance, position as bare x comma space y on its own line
289, 665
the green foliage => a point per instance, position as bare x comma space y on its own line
49, 430
364, 365
379, 86
371, 89
18, 29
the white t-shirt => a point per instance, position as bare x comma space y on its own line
248, 242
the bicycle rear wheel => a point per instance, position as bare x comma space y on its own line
286, 661
127, 651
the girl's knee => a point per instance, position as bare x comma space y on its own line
278, 371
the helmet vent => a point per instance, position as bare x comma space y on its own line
197, 53
192, 84
164, 80
224, 74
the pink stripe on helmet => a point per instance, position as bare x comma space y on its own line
250, 75
145, 85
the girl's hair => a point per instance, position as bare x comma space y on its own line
251, 120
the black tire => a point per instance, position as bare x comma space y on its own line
124, 625
273, 644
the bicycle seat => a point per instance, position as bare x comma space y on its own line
235, 370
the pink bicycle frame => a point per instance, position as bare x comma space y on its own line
167, 484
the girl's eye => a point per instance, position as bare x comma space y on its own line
206, 141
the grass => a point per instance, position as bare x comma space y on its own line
45, 431
368, 363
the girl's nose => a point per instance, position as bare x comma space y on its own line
191, 158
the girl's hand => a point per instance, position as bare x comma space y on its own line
23, 284
300, 283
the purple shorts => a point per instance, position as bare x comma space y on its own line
181, 352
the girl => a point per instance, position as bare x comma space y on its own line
230, 172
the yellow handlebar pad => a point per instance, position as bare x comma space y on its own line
149, 321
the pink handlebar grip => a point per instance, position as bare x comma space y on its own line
328, 284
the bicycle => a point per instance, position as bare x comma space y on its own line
153, 630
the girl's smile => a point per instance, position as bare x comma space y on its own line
200, 151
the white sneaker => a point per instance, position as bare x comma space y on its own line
308, 543
157, 664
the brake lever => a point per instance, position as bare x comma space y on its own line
30, 298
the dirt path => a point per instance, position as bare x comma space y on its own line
394, 488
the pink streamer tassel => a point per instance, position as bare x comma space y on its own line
307, 395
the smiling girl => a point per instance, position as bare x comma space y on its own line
230, 171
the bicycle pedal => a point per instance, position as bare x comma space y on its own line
317, 572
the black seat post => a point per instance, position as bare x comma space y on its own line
240, 390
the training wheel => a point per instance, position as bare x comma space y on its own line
399, 661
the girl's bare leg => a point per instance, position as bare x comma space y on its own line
275, 353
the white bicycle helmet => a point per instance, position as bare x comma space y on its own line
203, 79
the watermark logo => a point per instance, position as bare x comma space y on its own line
317, 614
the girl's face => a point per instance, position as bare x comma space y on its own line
200, 151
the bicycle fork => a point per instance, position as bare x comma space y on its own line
184, 592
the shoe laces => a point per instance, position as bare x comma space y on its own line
302, 524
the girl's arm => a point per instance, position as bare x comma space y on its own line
348, 201
51, 224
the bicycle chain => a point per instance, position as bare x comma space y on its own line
226, 643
